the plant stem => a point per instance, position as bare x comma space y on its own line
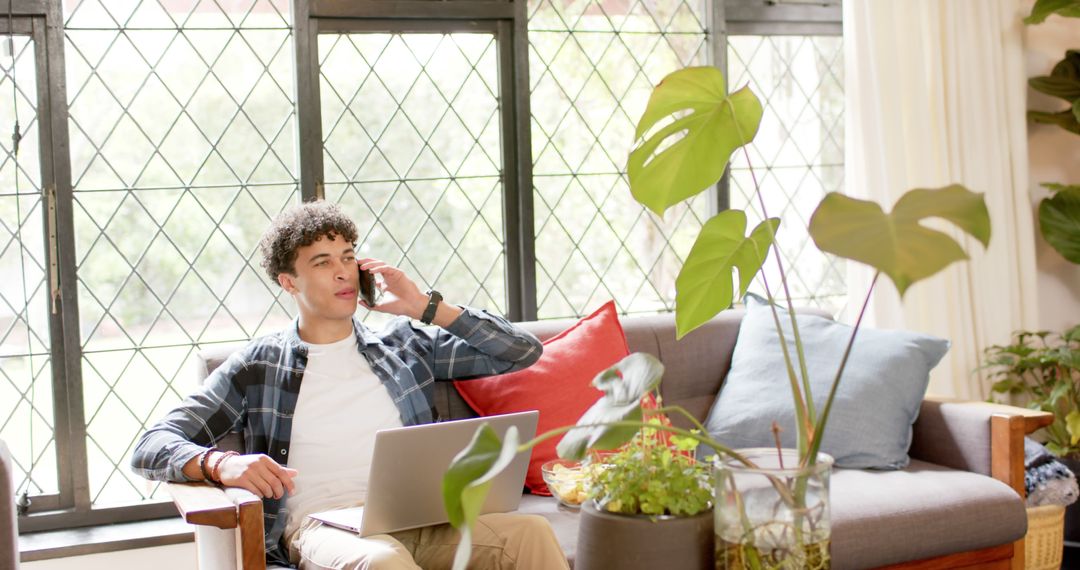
816, 443
719, 448
685, 413
811, 411
802, 411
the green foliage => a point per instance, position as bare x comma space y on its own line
897, 244
1063, 83
702, 126
704, 286
613, 421
1059, 220
650, 476
1043, 369
706, 125
623, 385
1044, 8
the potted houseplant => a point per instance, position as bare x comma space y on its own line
649, 505
1039, 367
1059, 213
1042, 369
687, 134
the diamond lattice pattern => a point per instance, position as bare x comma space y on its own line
182, 148
798, 153
592, 67
412, 148
26, 412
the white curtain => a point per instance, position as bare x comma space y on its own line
935, 94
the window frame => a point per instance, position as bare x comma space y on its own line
508, 19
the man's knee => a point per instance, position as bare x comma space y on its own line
369, 554
531, 543
523, 529
386, 559
534, 525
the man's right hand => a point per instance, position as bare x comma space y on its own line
257, 473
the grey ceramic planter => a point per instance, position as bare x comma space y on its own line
631, 542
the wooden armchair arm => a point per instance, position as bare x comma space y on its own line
973, 436
202, 504
983, 438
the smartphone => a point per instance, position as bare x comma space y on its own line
367, 286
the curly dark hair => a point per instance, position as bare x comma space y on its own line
298, 226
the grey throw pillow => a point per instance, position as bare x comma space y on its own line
876, 404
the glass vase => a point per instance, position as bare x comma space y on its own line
775, 515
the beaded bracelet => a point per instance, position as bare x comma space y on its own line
215, 471
202, 464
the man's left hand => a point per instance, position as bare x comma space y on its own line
401, 296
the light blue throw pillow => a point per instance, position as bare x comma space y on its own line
875, 406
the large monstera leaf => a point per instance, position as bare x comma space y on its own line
1044, 8
623, 385
467, 482
688, 154
1059, 220
704, 286
897, 243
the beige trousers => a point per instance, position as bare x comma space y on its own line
500, 541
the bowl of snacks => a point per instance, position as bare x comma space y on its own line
567, 480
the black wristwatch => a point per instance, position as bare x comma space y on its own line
434, 298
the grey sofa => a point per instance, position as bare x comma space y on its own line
958, 505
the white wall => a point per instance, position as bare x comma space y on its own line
1054, 154
172, 557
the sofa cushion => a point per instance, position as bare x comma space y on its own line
884, 517
558, 385
923, 511
876, 403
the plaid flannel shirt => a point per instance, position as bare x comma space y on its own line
255, 391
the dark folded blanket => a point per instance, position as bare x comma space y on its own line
1047, 480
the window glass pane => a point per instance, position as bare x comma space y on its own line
182, 126
798, 153
592, 67
26, 411
412, 149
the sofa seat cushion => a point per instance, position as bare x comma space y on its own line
922, 511
884, 517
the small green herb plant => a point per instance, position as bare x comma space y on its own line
1044, 369
653, 475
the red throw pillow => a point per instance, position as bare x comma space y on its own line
558, 385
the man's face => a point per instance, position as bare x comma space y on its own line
326, 280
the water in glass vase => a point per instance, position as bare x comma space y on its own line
772, 513
730, 556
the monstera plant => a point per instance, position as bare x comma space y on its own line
1044, 8
684, 140
1062, 83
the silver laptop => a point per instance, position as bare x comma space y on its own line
407, 467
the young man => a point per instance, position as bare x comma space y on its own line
310, 398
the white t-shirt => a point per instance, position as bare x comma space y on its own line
340, 407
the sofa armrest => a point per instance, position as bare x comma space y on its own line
976, 436
229, 508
